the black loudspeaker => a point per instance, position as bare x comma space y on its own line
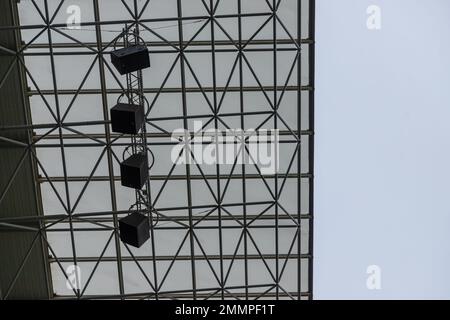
134, 229
127, 118
130, 59
134, 171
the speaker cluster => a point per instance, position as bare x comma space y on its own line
129, 118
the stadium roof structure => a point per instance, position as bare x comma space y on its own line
224, 231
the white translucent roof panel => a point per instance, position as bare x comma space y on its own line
199, 246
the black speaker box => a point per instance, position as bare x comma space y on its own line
127, 118
134, 229
134, 171
130, 59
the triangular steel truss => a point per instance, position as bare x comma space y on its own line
253, 268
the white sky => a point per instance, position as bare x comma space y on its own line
382, 149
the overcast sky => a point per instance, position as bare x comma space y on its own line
382, 152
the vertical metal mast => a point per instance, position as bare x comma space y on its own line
135, 95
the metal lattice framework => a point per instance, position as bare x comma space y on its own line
220, 244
